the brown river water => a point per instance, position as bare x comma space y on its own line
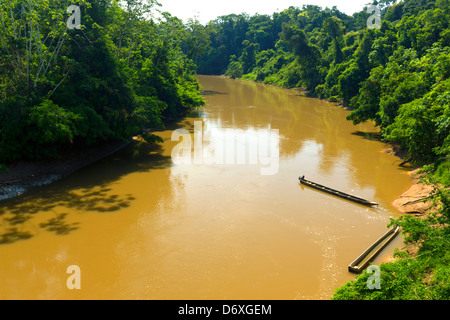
143, 225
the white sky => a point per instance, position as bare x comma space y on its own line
207, 10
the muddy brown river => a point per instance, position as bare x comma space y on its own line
228, 222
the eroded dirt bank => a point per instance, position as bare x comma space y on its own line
417, 200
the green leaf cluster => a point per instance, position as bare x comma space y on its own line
394, 76
123, 74
424, 276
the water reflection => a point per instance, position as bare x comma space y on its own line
212, 144
87, 191
143, 227
304, 120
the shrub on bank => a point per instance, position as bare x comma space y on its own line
424, 275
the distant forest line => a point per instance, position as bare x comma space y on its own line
124, 73
396, 75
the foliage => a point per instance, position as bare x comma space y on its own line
235, 69
423, 125
442, 174
396, 76
423, 277
125, 73
121, 74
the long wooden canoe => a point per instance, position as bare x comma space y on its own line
360, 263
336, 192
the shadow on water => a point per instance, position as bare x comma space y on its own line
59, 226
372, 136
11, 235
88, 190
403, 165
211, 92
374, 209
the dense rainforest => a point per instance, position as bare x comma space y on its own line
394, 72
117, 75
124, 73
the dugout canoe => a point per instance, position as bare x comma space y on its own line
336, 192
360, 263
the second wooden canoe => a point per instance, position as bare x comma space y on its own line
336, 192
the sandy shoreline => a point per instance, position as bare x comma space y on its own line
417, 200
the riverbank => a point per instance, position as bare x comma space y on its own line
26, 175
23, 176
414, 200
417, 199
138, 196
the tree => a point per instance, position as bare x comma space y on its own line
196, 41
308, 55
335, 28
235, 69
118, 76
248, 57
